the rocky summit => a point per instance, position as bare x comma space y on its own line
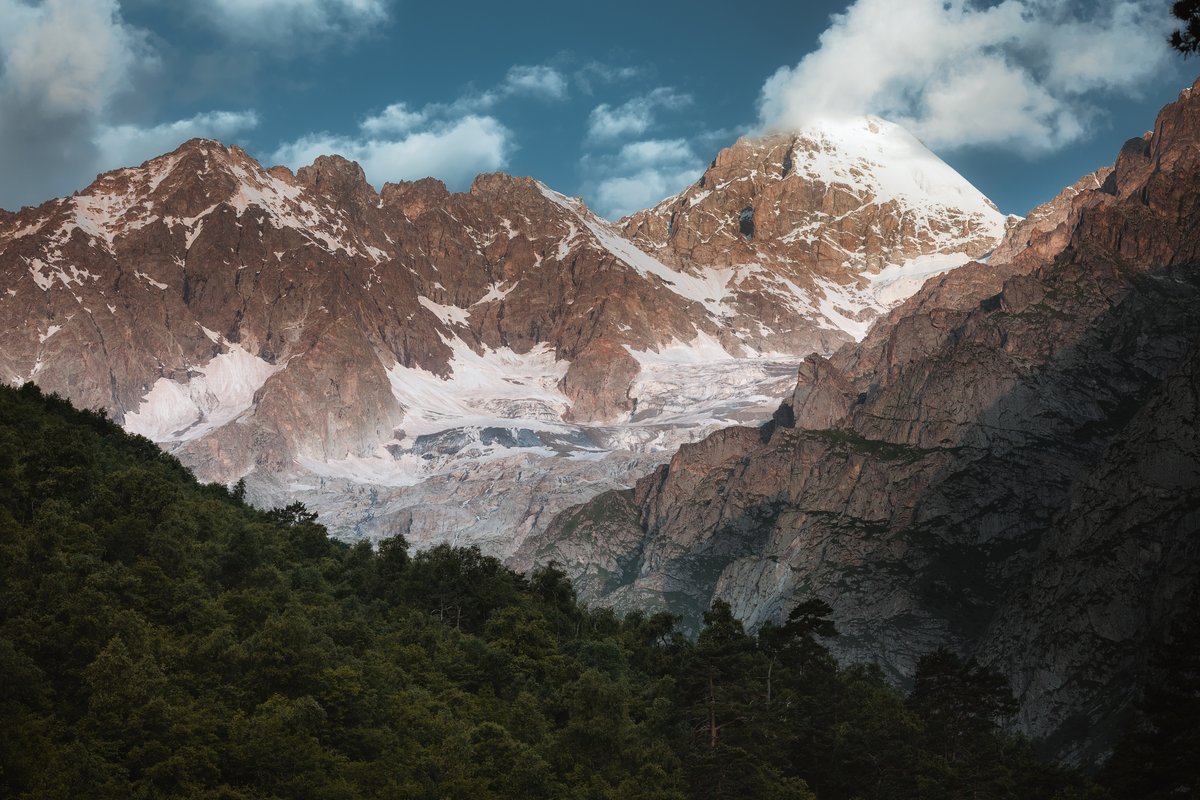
1007, 465
460, 366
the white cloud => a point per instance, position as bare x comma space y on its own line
633, 117
69, 56
640, 174
1019, 73
453, 150
453, 141
65, 65
281, 22
396, 118
131, 144
539, 82
656, 152
535, 81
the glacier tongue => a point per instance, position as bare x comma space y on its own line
483, 456
494, 388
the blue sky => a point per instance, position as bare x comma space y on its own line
620, 102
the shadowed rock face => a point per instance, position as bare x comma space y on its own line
1008, 464
307, 332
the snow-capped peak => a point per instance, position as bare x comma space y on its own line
882, 158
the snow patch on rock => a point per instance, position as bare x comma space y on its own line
450, 315
709, 288
896, 283
216, 394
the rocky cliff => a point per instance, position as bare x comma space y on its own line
1007, 464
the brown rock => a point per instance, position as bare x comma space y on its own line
823, 395
598, 380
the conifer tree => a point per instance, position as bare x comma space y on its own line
1186, 38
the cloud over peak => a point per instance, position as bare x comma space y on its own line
453, 141
129, 145
1019, 73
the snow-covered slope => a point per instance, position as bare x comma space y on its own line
708, 287
882, 160
215, 394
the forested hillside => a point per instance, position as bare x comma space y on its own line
160, 638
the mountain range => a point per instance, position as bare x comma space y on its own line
458, 367
987, 434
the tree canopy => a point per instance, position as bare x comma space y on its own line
159, 638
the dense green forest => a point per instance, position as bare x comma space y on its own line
160, 638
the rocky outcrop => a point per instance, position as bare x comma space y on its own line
822, 395
1109, 573
1046, 229
605, 364
1006, 465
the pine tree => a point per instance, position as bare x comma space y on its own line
1159, 758
1186, 39
960, 702
796, 642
